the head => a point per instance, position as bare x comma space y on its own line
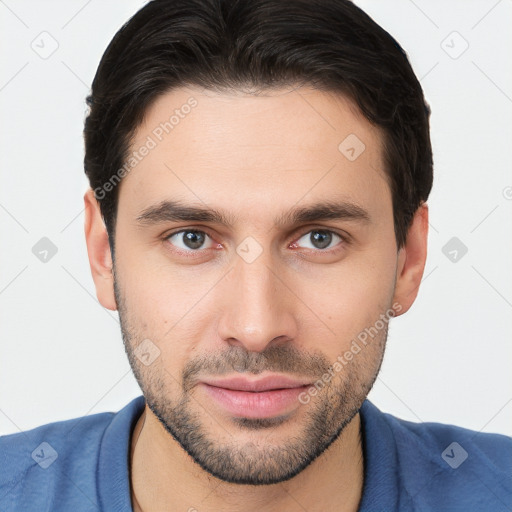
259, 172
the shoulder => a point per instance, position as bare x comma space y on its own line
451, 467
56, 465
28, 458
62, 436
451, 446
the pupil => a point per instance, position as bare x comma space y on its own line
321, 239
193, 239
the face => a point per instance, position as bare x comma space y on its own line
252, 251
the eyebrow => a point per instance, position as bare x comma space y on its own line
176, 211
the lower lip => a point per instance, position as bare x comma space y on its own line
263, 404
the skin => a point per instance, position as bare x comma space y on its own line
292, 311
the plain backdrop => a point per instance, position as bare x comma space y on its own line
449, 359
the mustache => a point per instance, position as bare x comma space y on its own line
277, 358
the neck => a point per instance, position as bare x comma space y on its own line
164, 477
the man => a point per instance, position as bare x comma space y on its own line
257, 215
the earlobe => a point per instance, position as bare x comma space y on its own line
411, 260
98, 250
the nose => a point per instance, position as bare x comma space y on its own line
258, 309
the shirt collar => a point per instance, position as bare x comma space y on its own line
381, 486
113, 472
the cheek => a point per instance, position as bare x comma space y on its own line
168, 307
350, 299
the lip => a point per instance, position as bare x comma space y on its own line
266, 397
267, 383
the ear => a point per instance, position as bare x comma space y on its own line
98, 249
411, 260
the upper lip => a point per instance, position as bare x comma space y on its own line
262, 384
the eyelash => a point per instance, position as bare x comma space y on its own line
344, 240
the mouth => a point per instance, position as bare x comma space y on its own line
267, 397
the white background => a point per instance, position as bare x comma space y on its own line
449, 359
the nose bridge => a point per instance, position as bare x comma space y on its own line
258, 305
256, 283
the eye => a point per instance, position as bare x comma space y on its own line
319, 239
190, 240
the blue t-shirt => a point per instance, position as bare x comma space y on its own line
83, 465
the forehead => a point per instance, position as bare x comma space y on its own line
277, 148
